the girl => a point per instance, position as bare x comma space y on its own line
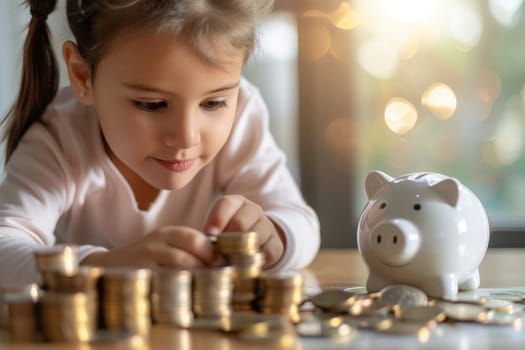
157, 140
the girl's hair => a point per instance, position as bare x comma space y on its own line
208, 24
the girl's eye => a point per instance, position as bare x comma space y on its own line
213, 105
153, 106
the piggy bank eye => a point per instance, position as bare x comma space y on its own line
417, 206
382, 206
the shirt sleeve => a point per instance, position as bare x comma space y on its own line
251, 164
35, 192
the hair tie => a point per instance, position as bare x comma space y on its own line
39, 15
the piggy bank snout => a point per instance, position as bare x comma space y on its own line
395, 242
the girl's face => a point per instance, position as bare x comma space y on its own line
165, 112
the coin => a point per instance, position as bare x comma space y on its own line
465, 312
421, 330
369, 322
333, 300
514, 320
333, 327
499, 305
403, 295
270, 331
420, 314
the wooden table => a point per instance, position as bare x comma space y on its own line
500, 268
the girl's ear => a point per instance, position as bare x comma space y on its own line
79, 73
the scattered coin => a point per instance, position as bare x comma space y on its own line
403, 295
421, 314
465, 312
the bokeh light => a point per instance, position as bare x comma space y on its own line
344, 17
465, 26
505, 12
409, 10
378, 58
278, 37
439, 99
400, 115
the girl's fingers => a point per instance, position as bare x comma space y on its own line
175, 257
191, 242
245, 218
221, 213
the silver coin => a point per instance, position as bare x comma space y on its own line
421, 330
403, 295
333, 300
465, 312
514, 319
421, 314
369, 322
499, 305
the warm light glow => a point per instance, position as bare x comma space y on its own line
440, 100
400, 116
378, 58
409, 10
344, 17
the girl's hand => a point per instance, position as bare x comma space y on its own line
235, 213
169, 246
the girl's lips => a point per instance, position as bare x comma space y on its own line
176, 166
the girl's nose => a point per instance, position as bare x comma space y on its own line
184, 133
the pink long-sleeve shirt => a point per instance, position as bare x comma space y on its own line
61, 187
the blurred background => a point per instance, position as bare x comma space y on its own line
394, 85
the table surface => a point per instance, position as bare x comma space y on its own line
501, 268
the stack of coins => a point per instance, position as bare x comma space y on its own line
62, 258
282, 293
22, 312
212, 292
171, 297
125, 299
69, 305
69, 316
32, 290
84, 279
240, 250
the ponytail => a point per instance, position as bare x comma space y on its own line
40, 76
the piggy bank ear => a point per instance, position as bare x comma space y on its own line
374, 181
448, 190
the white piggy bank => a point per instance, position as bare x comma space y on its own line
422, 229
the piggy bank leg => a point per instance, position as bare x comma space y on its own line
375, 283
441, 286
472, 282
